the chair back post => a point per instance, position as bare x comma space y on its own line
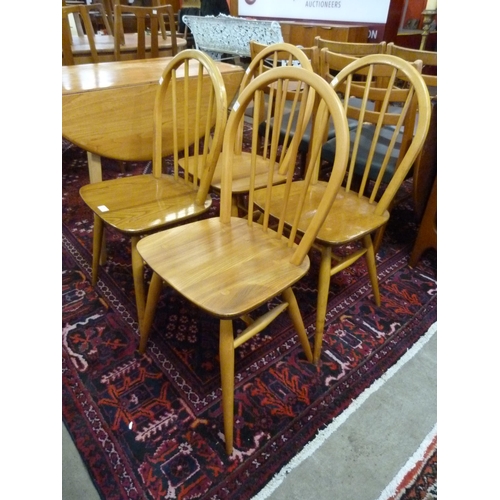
198, 117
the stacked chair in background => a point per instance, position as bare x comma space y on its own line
116, 41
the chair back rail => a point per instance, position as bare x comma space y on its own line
357, 49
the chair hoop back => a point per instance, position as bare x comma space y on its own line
265, 57
388, 102
330, 107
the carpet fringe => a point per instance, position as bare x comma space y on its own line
392, 488
324, 434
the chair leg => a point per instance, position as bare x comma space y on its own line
372, 267
226, 355
97, 247
323, 287
138, 274
379, 235
153, 296
298, 323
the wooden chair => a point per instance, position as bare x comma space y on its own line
357, 214
356, 49
196, 104
230, 266
104, 15
331, 63
148, 41
276, 103
81, 14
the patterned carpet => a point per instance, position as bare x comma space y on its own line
417, 480
150, 426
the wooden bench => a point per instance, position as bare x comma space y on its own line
225, 37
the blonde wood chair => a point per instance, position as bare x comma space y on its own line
356, 49
276, 104
230, 266
331, 63
424, 170
358, 213
139, 205
152, 33
81, 14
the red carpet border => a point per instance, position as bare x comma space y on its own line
417, 480
150, 426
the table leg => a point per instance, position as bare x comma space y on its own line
95, 169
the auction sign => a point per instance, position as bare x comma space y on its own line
349, 11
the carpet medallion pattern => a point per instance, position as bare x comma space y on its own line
150, 426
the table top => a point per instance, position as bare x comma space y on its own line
107, 108
111, 75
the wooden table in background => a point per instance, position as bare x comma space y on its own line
107, 108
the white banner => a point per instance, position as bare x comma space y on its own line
353, 11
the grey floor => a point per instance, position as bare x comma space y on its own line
359, 459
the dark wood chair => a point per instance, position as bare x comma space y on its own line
84, 27
153, 37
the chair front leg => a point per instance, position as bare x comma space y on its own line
155, 288
323, 287
298, 323
138, 274
226, 355
97, 247
372, 266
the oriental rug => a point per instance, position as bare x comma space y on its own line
417, 480
150, 426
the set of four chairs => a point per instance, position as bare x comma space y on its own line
272, 215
